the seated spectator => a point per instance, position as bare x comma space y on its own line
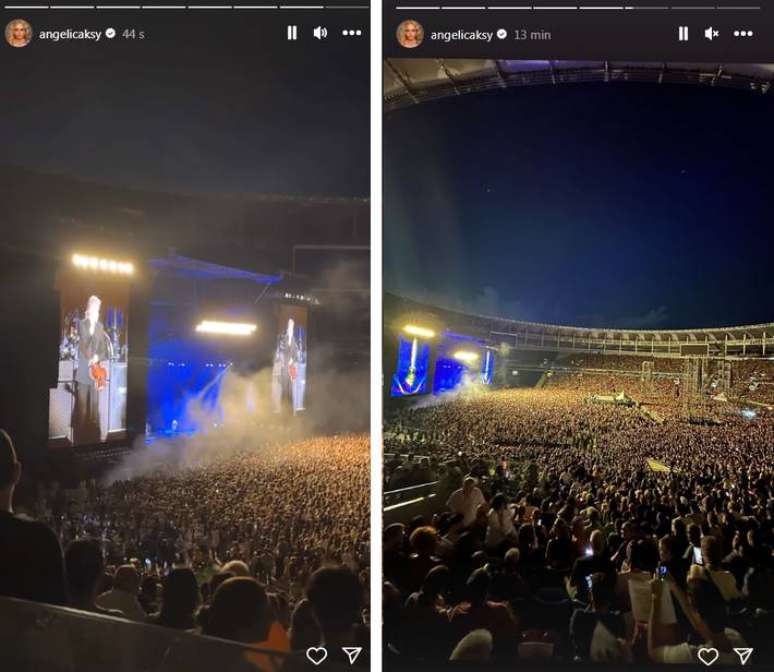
31, 565
466, 501
693, 550
641, 562
336, 597
508, 585
500, 531
179, 600
451, 527
478, 613
423, 541
149, 593
304, 629
596, 562
673, 564
83, 570
393, 564
240, 611
598, 633
123, 595
425, 622
712, 553
706, 610
559, 551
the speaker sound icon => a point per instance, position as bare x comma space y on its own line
320, 32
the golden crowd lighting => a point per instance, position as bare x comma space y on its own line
226, 328
421, 332
466, 356
89, 263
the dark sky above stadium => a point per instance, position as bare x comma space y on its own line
207, 102
620, 205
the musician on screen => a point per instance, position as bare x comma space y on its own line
289, 373
90, 374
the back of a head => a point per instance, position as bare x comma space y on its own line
643, 555
476, 646
499, 501
239, 603
9, 466
236, 568
707, 599
512, 557
423, 540
393, 535
217, 579
437, 581
149, 587
597, 540
83, 567
336, 595
179, 592
712, 551
127, 579
478, 586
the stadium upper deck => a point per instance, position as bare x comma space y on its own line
412, 81
734, 341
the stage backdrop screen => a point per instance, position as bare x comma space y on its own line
488, 367
88, 405
288, 380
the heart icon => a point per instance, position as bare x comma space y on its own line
708, 656
317, 654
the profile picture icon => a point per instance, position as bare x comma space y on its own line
18, 33
410, 34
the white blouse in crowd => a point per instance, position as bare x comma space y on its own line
499, 527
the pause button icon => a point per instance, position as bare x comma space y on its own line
682, 33
292, 33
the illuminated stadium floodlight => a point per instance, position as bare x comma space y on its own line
89, 263
466, 356
226, 328
421, 332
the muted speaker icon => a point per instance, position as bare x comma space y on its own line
320, 32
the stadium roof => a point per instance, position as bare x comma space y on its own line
743, 340
410, 81
195, 268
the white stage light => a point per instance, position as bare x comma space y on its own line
422, 332
104, 265
226, 328
466, 356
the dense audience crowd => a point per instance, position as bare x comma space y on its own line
268, 546
754, 380
579, 530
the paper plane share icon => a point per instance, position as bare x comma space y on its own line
354, 651
744, 655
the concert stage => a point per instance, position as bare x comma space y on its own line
132, 351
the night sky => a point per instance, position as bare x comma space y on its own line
619, 205
208, 102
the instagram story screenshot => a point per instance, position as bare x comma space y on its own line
578, 336
184, 291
